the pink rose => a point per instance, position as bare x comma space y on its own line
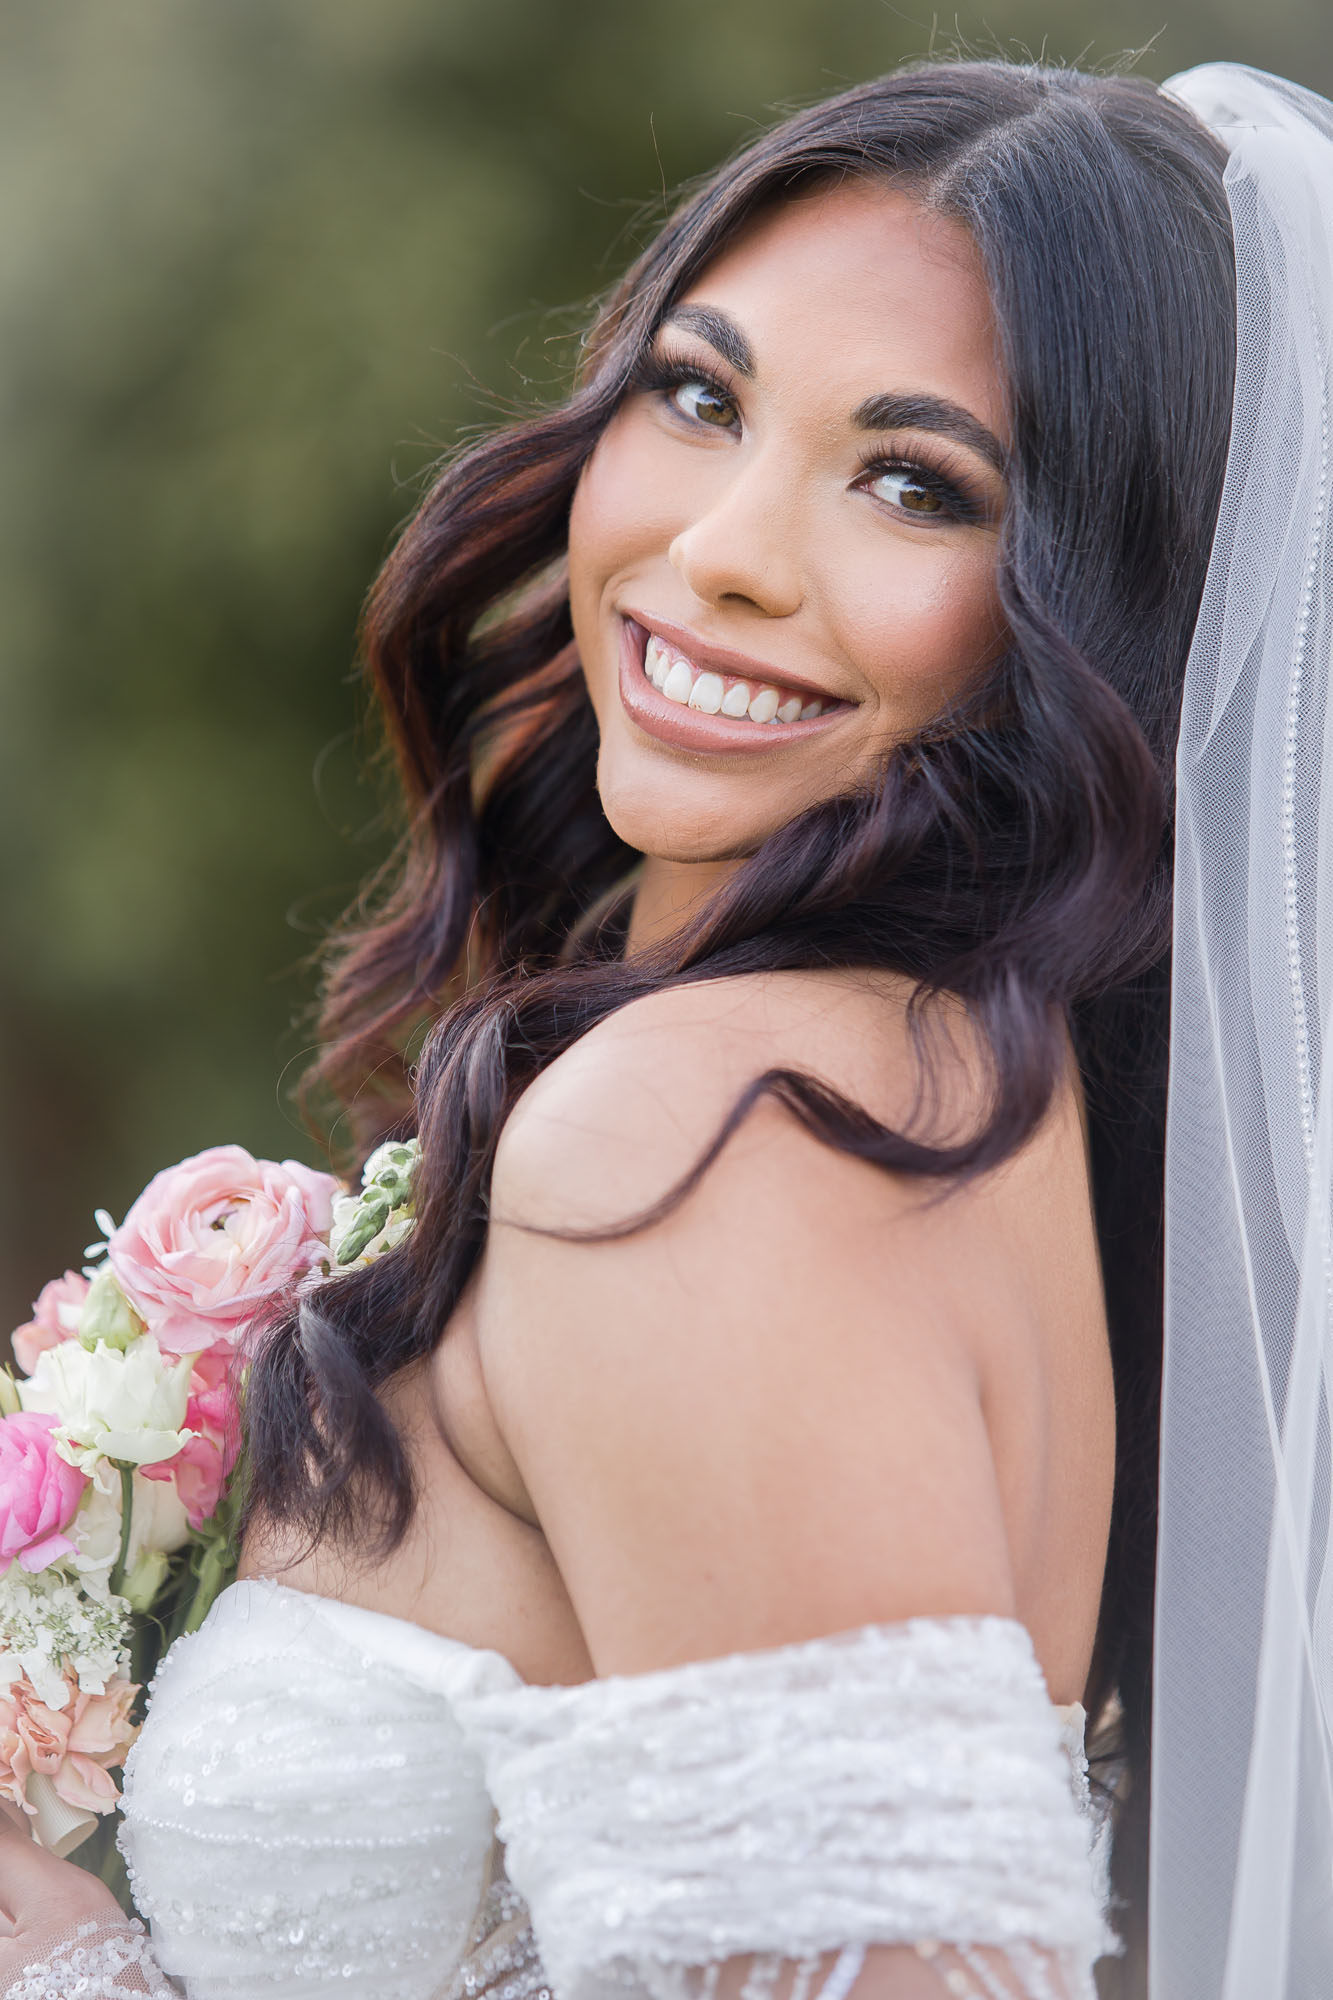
76, 1747
55, 1317
39, 1493
209, 1241
201, 1469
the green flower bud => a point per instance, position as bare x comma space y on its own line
107, 1314
9, 1395
145, 1579
372, 1212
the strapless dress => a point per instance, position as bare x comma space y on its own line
325, 1801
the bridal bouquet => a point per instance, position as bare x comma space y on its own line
118, 1449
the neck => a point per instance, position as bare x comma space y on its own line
669, 892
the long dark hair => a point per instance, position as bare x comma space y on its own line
1019, 858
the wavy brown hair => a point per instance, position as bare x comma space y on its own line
1019, 859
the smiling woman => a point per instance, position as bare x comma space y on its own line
799, 503
918, 412
742, 1480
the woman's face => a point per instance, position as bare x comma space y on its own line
783, 550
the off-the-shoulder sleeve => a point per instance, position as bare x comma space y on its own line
790, 1822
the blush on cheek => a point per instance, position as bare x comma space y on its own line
929, 637
623, 504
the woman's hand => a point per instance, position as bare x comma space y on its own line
41, 1899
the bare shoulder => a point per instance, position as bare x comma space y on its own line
764, 1415
625, 1111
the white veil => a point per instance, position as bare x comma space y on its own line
1242, 1868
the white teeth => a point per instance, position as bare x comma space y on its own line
656, 661
706, 694
709, 694
677, 685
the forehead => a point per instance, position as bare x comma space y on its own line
859, 287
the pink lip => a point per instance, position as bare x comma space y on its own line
722, 660
689, 728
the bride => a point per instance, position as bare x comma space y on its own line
688, 1564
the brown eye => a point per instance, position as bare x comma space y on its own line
905, 489
708, 404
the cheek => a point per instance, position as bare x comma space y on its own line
921, 623
622, 508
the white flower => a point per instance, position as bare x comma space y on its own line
127, 1405
158, 1523
50, 1622
393, 1166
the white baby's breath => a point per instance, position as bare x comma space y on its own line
50, 1623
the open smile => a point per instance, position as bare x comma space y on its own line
699, 704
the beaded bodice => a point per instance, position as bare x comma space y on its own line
303, 1814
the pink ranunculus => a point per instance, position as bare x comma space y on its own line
202, 1467
39, 1493
55, 1316
209, 1241
76, 1747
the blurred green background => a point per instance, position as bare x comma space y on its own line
260, 260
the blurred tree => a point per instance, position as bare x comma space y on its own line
258, 262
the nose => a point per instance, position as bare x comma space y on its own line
745, 547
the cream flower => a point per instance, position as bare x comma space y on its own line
123, 1404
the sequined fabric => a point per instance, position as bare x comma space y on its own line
303, 1815
500, 1960
97, 1961
906, 1785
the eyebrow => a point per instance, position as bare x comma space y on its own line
719, 331
930, 413
887, 412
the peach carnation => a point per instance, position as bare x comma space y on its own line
76, 1747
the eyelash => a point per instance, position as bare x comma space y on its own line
659, 374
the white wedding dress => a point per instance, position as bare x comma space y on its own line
325, 1800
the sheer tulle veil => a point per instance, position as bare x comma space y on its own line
1242, 1881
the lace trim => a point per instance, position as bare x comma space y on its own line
100, 1961
962, 1972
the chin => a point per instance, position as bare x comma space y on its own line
673, 819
